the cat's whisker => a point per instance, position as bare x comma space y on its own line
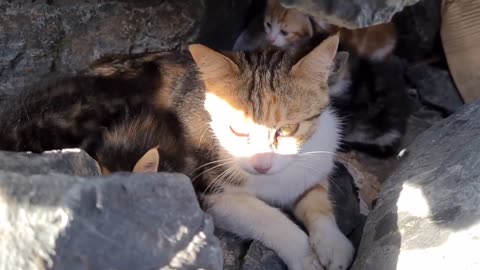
209, 163
318, 152
203, 133
338, 157
213, 183
212, 168
315, 170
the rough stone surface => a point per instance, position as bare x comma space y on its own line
48, 38
350, 13
67, 161
418, 29
427, 216
125, 221
435, 87
259, 257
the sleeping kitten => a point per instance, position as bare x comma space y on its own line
374, 106
149, 142
286, 27
110, 115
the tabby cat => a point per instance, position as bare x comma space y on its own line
259, 124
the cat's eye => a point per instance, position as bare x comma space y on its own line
283, 32
237, 133
268, 25
288, 130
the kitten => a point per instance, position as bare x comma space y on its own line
374, 107
149, 142
108, 113
287, 27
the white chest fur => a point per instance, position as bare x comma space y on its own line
312, 166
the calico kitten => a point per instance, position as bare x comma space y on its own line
374, 107
287, 27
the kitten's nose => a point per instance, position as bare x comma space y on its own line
262, 162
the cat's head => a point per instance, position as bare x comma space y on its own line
265, 107
284, 27
148, 163
148, 142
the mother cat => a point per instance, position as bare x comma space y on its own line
265, 123
261, 129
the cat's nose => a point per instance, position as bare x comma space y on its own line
262, 170
262, 162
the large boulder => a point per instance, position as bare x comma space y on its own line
350, 13
47, 38
427, 216
125, 221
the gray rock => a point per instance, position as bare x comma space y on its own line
48, 38
350, 13
125, 221
435, 87
259, 257
234, 249
66, 161
418, 29
427, 216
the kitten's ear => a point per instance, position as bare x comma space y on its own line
316, 64
212, 64
148, 163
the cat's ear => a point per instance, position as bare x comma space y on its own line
316, 64
148, 163
212, 64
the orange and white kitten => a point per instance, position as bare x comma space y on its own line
286, 27
267, 135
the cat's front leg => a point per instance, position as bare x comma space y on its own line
251, 218
315, 210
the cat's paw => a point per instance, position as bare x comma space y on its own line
308, 262
332, 247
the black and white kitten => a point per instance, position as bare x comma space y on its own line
372, 99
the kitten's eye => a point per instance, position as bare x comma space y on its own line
283, 32
288, 130
268, 25
238, 134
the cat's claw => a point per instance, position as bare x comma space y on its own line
333, 249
